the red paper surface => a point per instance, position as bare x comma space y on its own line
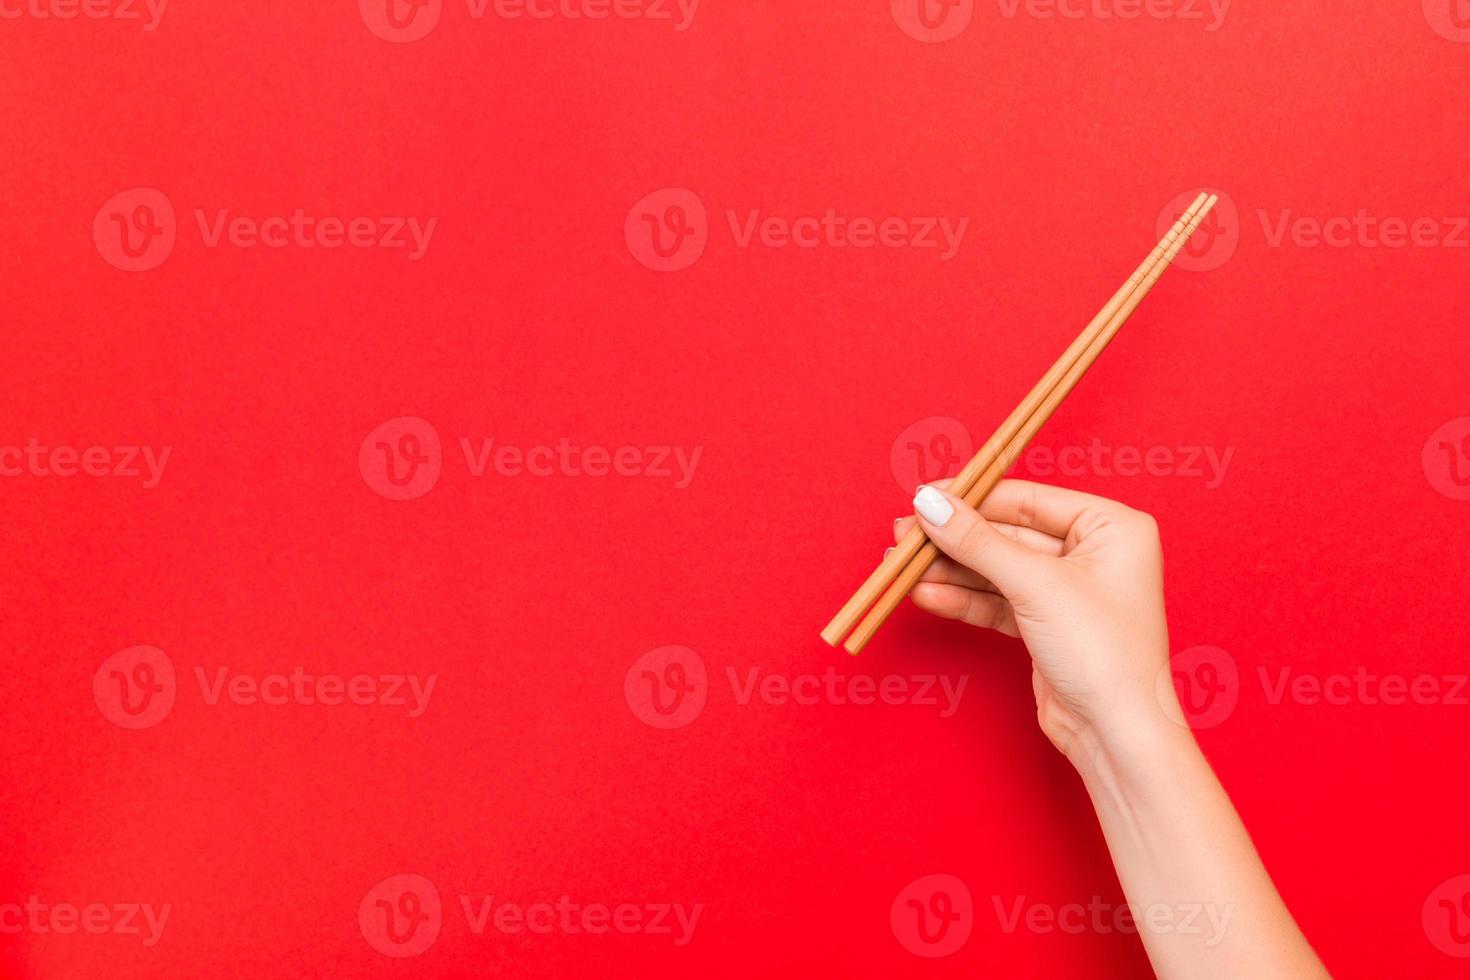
542, 314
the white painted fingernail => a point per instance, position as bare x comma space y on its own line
933, 506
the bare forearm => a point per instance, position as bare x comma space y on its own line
1204, 904
1080, 579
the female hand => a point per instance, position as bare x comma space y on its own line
1079, 579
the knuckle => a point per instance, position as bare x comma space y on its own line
1147, 525
987, 612
1142, 535
1026, 513
1012, 532
973, 542
997, 616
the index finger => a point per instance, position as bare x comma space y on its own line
1049, 509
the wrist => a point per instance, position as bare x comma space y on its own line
1128, 759
1135, 728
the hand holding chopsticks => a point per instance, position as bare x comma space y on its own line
886, 587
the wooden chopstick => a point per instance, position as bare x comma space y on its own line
889, 569
976, 493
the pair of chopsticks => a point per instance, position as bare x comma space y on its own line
885, 589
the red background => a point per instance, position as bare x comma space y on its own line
1325, 549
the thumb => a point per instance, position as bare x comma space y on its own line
968, 538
